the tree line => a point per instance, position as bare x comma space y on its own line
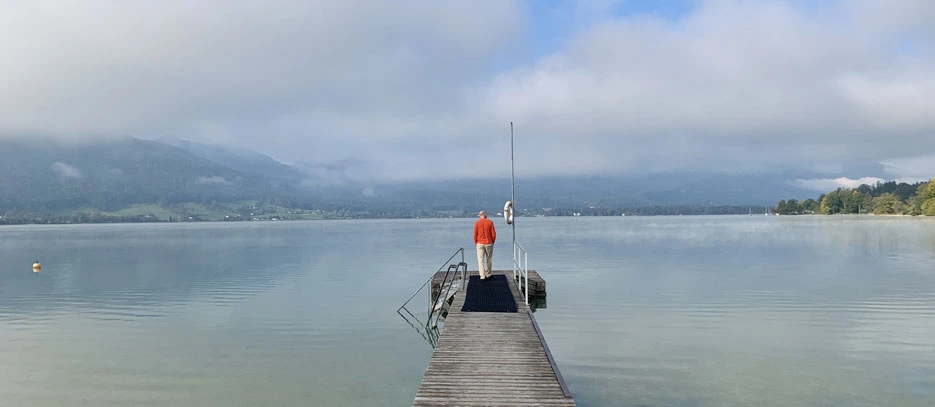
12, 218
882, 198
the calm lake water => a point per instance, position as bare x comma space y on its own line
648, 311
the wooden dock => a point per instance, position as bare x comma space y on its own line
492, 359
536, 282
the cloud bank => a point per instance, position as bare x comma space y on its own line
407, 89
215, 180
65, 170
829, 184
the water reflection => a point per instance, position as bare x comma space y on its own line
734, 311
194, 314
423, 328
537, 302
690, 311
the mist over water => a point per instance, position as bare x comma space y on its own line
731, 311
654, 311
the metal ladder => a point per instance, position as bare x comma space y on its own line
454, 281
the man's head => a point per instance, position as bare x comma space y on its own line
482, 214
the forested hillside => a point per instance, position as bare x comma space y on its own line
133, 180
110, 175
885, 198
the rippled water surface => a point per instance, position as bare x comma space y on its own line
649, 311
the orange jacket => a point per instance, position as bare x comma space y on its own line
484, 232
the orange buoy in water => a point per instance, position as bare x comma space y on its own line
36, 267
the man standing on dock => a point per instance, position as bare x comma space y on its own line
484, 237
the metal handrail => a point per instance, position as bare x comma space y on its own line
439, 303
461, 266
461, 250
521, 269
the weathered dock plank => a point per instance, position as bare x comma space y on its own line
492, 359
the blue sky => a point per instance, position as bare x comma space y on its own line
838, 88
552, 22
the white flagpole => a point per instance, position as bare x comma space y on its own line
513, 196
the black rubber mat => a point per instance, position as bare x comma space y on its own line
490, 295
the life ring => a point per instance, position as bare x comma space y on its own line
508, 212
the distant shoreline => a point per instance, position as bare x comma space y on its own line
3, 222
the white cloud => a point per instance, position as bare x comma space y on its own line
66, 170
830, 184
735, 84
291, 71
405, 88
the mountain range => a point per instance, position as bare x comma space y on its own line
112, 174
